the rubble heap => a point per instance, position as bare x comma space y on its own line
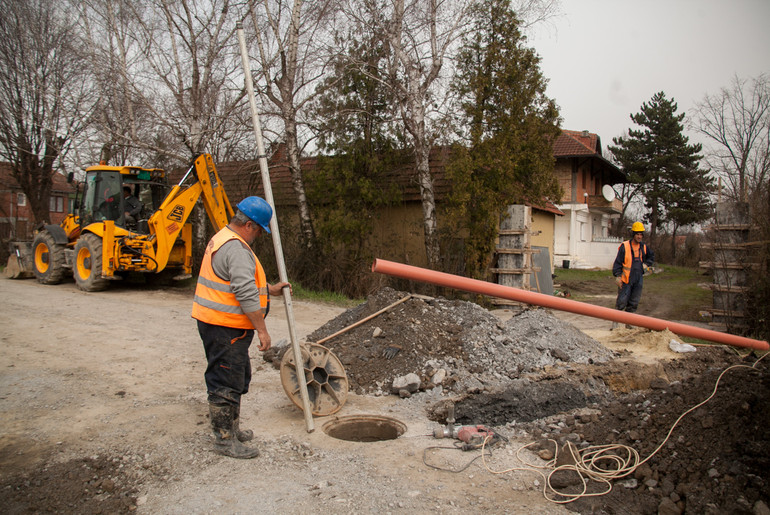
454, 345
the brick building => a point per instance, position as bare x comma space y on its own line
16, 220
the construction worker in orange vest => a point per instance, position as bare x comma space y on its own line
232, 299
630, 264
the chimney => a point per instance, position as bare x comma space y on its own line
585, 134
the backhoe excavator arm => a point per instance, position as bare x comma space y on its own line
168, 221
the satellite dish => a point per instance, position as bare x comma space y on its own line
608, 193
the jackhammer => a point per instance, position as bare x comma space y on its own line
473, 437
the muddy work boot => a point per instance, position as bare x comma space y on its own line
244, 435
223, 424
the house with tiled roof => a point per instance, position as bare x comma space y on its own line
581, 237
398, 230
574, 229
397, 233
16, 220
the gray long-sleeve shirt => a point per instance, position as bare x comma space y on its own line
235, 262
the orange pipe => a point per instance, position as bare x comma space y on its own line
539, 299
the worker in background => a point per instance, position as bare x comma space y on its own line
132, 206
633, 258
232, 299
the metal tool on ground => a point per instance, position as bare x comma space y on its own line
473, 437
391, 351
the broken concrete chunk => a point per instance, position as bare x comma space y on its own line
409, 382
439, 376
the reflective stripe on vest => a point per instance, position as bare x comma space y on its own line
629, 258
214, 302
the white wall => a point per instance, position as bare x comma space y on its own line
598, 255
581, 237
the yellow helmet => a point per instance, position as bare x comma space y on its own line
637, 227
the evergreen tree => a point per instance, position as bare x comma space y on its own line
659, 158
360, 142
510, 126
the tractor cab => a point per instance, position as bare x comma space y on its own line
107, 191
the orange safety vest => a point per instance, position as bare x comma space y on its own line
214, 302
629, 259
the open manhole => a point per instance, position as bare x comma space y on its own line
364, 428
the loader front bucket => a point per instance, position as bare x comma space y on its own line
19, 265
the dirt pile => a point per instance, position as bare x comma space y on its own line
717, 458
452, 345
539, 377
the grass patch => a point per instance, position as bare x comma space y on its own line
586, 285
675, 293
326, 297
683, 287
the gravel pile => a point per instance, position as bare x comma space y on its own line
453, 345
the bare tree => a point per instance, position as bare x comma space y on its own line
171, 79
290, 37
535, 12
45, 100
737, 122
421, 35
108, 27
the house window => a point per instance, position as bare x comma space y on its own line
56, 204
21, 199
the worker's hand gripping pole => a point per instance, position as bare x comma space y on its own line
276, 235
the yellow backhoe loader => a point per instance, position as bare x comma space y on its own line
100, 241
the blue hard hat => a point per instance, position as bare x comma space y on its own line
258, 210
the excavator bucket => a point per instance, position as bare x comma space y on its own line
19, 265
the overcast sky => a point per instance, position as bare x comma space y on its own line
604, 58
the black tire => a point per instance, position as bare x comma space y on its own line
47, 258
87, 268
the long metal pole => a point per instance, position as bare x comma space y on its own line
298, 361
539, 299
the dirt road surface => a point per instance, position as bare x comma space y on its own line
103, 410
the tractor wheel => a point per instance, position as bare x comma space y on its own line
87, 268
47, 258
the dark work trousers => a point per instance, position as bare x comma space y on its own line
630, 294
228, 373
